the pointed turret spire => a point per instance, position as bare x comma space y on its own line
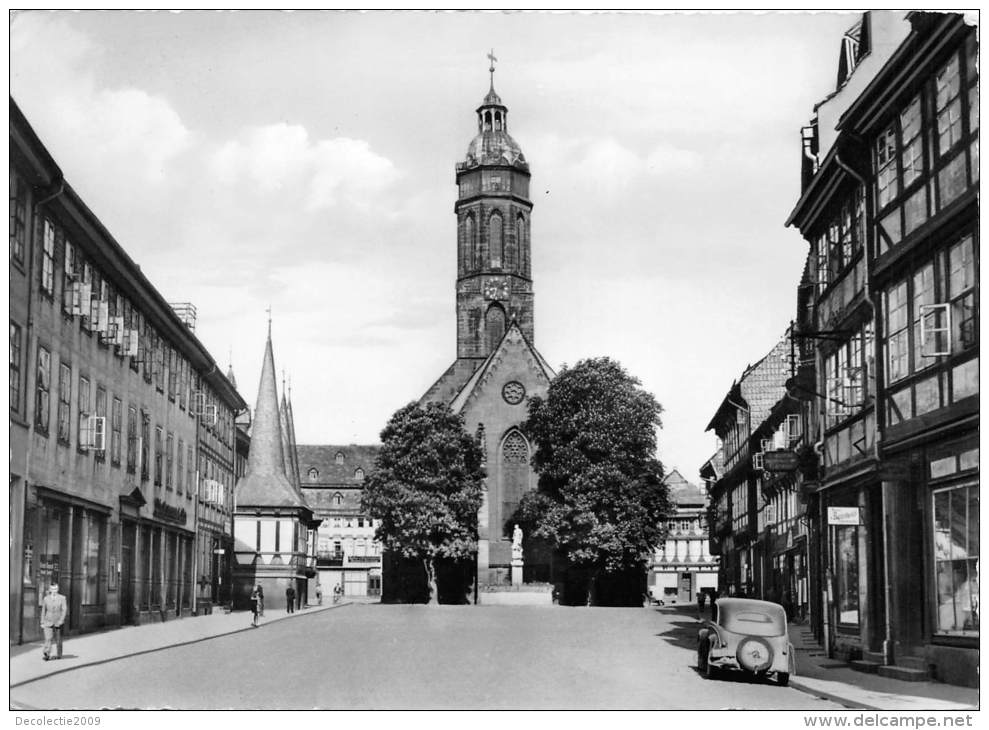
291, 435
286, 445
265, 482
230, 370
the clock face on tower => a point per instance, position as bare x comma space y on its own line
496, 289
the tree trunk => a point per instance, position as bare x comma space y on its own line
434, 598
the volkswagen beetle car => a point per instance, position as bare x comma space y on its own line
747, 635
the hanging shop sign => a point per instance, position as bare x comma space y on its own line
844, 516
780, 461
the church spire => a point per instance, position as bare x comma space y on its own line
265, 482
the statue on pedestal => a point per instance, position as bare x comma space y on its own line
517, 543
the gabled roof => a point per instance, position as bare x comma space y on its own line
682, 492
322, 458
763, 384
450, 382
715, 465
513, 334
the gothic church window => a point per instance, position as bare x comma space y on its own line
495, 231
515, 449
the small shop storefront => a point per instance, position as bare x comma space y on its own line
155, 562
65, 541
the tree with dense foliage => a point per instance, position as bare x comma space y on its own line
600, 501
426, 487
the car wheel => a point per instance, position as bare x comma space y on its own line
783, 678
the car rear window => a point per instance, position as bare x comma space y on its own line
754, 623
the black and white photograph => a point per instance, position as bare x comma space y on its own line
287, 434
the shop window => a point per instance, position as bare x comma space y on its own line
956, 560
53, 544
93, 558
15, 367
42, 397
846, 563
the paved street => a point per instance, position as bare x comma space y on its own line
415, 657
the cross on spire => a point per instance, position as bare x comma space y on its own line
491, 69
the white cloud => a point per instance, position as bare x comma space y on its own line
323, 172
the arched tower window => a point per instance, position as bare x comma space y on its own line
495, 230
521, 245
470, 242
494, 326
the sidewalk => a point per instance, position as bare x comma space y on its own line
836, 680
27, 665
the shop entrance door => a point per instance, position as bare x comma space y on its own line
127, 574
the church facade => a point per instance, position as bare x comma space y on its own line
497, 368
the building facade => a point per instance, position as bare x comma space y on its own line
682, 565
347, 555
111, 394
890, 210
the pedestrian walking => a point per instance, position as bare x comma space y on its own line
319, 594
257, 600
290, 599
260, 601
54, 611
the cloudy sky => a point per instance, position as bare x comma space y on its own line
306, 160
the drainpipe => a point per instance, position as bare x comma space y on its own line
887, 587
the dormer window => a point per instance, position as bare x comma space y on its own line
313, 474
337, 499
338, 458
359, 474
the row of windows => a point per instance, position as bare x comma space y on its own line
84, 292
842, 239
314, 472
507, 252
929, 154
173, 460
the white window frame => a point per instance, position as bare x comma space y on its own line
929, 335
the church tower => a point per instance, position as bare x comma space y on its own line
494, 279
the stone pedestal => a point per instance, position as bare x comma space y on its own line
517, 571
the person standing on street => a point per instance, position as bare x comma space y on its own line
256, 602
290, 598
54, 611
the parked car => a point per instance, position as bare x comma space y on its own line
747, 635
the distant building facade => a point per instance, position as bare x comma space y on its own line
683, 565
347, 555
112, 400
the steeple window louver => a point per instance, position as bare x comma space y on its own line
470, 241
494, 326
495, 236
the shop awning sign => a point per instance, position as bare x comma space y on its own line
844, 516
779, 461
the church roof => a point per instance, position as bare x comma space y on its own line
511, 332
265, 484
323, 499
445, 389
